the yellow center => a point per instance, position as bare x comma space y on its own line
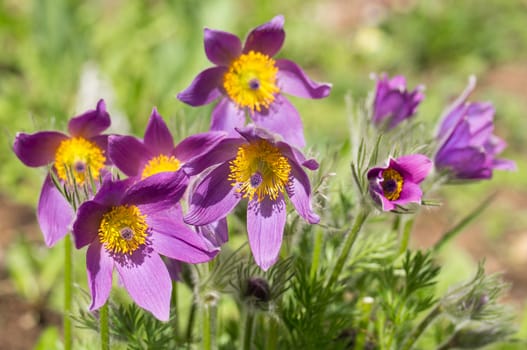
76, 158
160, 164
251, 81
259, 169
123, 229
392, 184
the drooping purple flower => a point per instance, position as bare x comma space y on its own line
397, 184
256, 167
248, 78
127, 226
467, 147
156, 152
393, 102
74, 158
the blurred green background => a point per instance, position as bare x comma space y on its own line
58, 57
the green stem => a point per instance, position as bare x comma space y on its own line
175, 320
190, 323
421, 327
317, 249
209, 326
104, 327
248, 326
405, 239
68, 286
272, 336
346, 247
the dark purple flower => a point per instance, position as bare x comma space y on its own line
262, 170
248, 78
157, 153
398, 183
127, 226
393, 102
467, 147
73, 157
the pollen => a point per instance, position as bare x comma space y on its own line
260, 169
77, 158
392, 184
251, 81
160, 164
123, 229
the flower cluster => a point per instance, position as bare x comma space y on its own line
129, 225
142, 206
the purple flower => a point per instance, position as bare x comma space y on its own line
249, 79
260, 169
393, 102
467, 147
74, 158
156, 153
127, 226
398, 183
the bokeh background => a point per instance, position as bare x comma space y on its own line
58, 57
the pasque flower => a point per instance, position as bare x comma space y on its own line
397, 184
467, 147
262, 170
248, 78
393, 102
126, 226
156, 152
74, 158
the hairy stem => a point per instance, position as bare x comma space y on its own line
209, 326
68, 287
421, 327
346, 247
248, 325
104, 327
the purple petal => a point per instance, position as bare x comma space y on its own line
375, 173
282, 118
172, 238
90, 123
100, 266
226, 116
54, 213
216, 233
147, 281
294, 81
197, 144
37, 149
267, 38
452, 114
87, 223
158, 138
411, 193
297, 156
265, 227
128, 154
213, 198
221, 153
111, 192
299, 193
416, 166
221, 48
166, 188
205, 88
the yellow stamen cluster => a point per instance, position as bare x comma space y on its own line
160, 164
260, 169
251, 81
75, 157
392, 184
123, 229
